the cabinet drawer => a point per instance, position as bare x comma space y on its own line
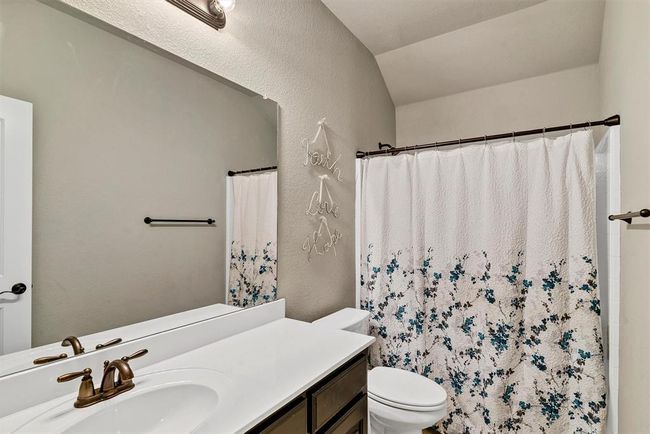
292, 419
338, 392
354, 421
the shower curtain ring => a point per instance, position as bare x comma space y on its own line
513, 137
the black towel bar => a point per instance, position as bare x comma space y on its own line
627, 217
149, 220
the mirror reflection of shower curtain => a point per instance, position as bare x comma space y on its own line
478, 267
252, 269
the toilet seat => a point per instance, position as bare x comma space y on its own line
402, 406
405, 390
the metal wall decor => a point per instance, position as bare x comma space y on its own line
208, 11
322, 240
322, 203
322, 159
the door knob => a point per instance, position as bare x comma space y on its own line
18, 288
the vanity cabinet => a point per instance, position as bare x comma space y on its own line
336, 405
354, 421
292, 418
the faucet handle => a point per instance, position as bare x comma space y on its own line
87, 394
135, 355
108, 344
48, 359
72, 375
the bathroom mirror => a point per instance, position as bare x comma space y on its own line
154, 188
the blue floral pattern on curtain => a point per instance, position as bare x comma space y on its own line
515, 349
253, 278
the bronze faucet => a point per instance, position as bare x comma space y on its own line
110, 387
69, 341
74, 342
76, 348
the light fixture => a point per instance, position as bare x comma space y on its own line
226, 5
211, 12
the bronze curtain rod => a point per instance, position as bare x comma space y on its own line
386, 149
261, 169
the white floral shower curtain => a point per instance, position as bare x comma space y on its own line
253, 256
479, 270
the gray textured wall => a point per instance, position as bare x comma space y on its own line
553, 99
120, 133
298, 54
625, 89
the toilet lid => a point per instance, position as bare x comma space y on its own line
403, 389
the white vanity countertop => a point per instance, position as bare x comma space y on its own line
271, 365
268, 367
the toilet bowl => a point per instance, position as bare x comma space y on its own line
399, 401
403, 402
389, 420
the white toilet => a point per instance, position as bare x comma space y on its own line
399, 401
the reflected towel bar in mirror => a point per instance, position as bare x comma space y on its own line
261, 169
627, 217
149, 220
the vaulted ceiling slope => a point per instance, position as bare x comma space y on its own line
384, 25
432, 48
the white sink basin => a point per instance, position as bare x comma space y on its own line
175, 401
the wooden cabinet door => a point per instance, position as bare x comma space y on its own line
337, 393
292, 422
354, 421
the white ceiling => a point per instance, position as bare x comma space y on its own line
432, 48
383, 25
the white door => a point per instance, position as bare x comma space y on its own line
15, 225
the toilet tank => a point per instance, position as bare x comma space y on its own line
354, 320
